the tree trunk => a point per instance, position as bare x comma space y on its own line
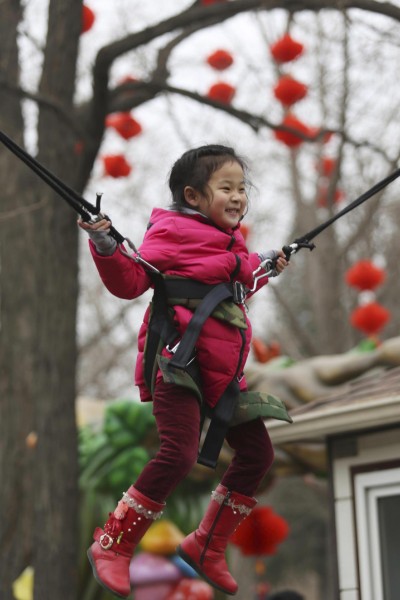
38, 316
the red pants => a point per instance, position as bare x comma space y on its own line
177, 415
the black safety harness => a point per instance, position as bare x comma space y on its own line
182, 367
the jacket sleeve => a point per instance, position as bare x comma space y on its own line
122, 276
161, 245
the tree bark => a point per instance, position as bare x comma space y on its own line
17, 331
38, 347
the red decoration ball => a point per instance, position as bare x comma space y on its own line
287, 137
364, 275
261, 532
220, 60
116, 165
370, 318
286, 49
326, 166
88, 18
222, 92
289, 91
124, 124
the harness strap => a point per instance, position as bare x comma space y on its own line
222, 413
221, 416
186, 288
184, 353
160, 327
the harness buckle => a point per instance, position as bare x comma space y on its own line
239, 292
173, 349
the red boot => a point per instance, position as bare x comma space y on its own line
204, 549
112, 550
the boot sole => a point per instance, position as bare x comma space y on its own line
97, 578
196, 567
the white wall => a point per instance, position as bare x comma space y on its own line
349, 453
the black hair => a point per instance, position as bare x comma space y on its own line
195, 167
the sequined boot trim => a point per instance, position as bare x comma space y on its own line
222, 499
140, 509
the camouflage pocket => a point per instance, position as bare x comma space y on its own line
259, 404
230, 312
179, 376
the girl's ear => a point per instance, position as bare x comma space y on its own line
192, 196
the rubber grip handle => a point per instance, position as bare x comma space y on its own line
287, 250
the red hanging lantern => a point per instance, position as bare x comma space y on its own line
124, 124
222, 92
326, 166
261, 532
286, 49
116, 165
322, 198
289, 91
220, 60
370, 318
364, 275
88, 18
288, 138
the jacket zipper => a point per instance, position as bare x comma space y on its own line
243, 336
231, 242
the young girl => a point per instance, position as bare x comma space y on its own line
196, 245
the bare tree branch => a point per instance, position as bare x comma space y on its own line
203, 17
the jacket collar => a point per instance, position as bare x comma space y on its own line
195, 213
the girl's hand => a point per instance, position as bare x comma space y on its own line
98, 232
281, 262
277, 262
98, 225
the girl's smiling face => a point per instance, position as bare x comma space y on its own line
226, 202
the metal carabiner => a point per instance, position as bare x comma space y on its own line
262, 267
268, 265
136, 256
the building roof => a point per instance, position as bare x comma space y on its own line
368, 402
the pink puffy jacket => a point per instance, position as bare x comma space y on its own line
189, 245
